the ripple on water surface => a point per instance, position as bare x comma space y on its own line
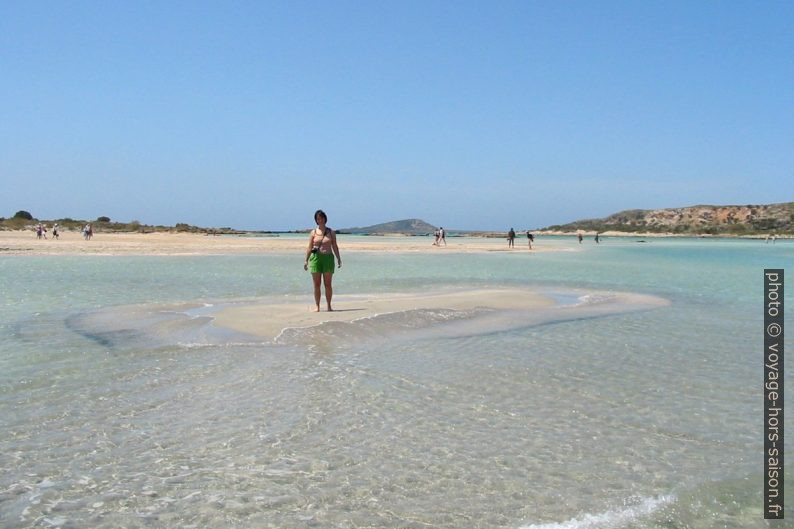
419, 418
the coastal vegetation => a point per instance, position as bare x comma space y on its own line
694, 220
22, 214
748, 220
24, 220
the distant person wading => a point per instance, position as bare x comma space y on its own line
320, 259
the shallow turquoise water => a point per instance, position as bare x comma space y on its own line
636, 419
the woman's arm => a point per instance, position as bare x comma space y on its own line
308, 250
335, 248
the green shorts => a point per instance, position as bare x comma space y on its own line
321, 263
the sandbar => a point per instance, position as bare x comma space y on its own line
267, 320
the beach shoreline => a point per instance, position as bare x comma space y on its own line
24, 242
591, 233
190, 244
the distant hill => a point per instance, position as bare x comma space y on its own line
715, 220
405, 227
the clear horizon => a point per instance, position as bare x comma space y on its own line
467, 115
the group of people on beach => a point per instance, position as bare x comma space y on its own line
322, 249
41, 231
440, 236
511, 238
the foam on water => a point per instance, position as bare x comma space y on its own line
635, 509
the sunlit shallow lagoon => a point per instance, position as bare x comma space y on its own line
639, 419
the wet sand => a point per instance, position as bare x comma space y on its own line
268, 320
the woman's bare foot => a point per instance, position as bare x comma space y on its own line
316, 309
330, 309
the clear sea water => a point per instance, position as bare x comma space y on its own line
639, 419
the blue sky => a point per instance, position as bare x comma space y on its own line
466, 114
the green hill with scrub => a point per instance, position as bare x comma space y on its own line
765, 219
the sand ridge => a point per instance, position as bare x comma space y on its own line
267, 320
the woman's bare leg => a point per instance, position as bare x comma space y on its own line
329, 291
316, 280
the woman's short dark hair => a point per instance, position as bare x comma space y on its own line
320, 212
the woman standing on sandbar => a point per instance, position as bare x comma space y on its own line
320, 260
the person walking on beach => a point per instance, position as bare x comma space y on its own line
530, 238
55, 234
580, 237
442, 237
437, 234
511, 238
596, 239
320, 259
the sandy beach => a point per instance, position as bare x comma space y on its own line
268, 320
165, 243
